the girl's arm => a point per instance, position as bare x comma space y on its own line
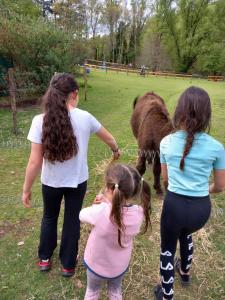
219, 182
108, 139
91, 214
164, 175
32, 170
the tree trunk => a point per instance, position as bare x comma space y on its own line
12, 92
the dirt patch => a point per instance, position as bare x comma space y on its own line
5, 228
18, 229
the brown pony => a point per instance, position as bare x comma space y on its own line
150, 122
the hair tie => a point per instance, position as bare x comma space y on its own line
116, 186
142, 179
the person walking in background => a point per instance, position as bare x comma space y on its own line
59, 146
116, 221
188, 157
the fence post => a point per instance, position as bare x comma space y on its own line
85, 83
12, 92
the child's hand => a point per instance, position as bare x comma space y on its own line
99, 199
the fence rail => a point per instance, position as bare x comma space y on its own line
98, 64
138, 71
216, 78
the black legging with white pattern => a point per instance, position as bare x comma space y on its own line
181, 216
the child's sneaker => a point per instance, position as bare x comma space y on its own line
115, 295
184, 278
44, 265
92, 295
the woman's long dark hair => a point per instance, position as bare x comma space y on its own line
192, 114
58, 139
126, 183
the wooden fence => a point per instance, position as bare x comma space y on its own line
97, 64
137, 71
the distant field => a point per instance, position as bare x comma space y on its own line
110, 98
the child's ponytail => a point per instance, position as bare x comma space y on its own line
116, 212
146, 203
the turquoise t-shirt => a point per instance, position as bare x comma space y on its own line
205, 155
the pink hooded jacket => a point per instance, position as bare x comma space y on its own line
103, 255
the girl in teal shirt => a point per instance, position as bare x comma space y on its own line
188, 157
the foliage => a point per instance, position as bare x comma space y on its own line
192, 33
153, 51
51, 36
182, 24
213, 62
37, 45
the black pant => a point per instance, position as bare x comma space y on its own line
181, 216
52, 198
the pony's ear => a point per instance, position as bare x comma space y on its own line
135, 101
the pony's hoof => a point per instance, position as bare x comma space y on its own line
160, 196
158, 190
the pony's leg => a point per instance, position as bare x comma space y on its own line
157, 172
141, 163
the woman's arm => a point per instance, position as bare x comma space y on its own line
108, 139
32, 170
164, 175
219, 182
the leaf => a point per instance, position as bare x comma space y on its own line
79, 284
21, 243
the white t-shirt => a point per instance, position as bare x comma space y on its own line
73, 171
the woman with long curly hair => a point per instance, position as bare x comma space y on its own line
59, 146
188, 156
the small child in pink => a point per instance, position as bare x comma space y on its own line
116, 221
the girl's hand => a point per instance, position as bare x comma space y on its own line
26, 197
99, 199
116, 154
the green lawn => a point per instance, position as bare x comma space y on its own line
110, 98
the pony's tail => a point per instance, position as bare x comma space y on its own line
146, 204
135, 101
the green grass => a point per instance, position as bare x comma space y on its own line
110, 98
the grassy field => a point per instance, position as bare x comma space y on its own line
110, 98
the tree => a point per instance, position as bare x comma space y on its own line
213, 59
121, 43
138, 20
24, 8
71, 16
94, 19
185, 29
46, 6
112, 14
38, 46
153, 52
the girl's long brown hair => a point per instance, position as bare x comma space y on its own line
58, 139
192, 114
130, 185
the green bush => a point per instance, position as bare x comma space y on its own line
36, 45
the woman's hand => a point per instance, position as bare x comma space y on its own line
26, 198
